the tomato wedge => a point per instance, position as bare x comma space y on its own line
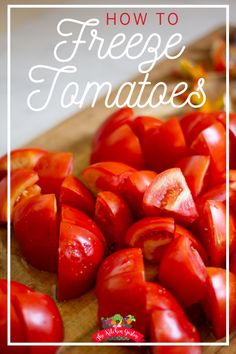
233, 263
217, 193
113, 216
196, 180
23, 185
106, 176
74, 193
169, 194
152, 235
52, 168
35, 224
142, 124
214, 302
183, 272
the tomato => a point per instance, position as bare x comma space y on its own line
106, 176
74, 193
52, 168
164, 145
142, 124
34, 318
115, 120
233, 263
214, 302
212, 227
36, 229
169, 195
133, 189
121, 287
152, 235
80, 253
176, 350
183, 272
195, 178
212, 141
217, 193
113, 216
23, 185
21, 158
121, 145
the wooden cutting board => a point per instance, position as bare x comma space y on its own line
74, 134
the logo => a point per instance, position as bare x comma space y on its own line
118, 329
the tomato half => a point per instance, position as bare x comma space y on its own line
113, 216
35, 224
169, 194
183, 272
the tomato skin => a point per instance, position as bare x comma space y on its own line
80, 254
74, 193
169, 195
196, 180
120, 276
168, 143
183, 272
233, 263
152, 235
108, 176
214, 303
212, 141
21, 180
35, 224
113, 216
217, 193
21, 158
121, 145
134, 187
142, 124
52, 168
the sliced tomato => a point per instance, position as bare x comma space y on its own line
120, 281
152, 235
35, 224
106, 176
142, 124
121, 145
21, 158
23, 185
217, 193
169, 194
134, 187
52, 168
113, 216
164, 145
183, 272
74, 193
115, 120
195, 170
212, 141
233, 263
80, 253
214, 302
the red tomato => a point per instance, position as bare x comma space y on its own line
195, 170
106, 176
115, 120
134, 187
233, 263
212, 227
217, 193
74, 193
169, 194
113, 216
212, 141
121, 145
142, 124
21, 158
52, 168
164, 145
36, 229
176, 350
214, 303
23, 185
183, 272
121, 287
80, 254
152, 235
34, 318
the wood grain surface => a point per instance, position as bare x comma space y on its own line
74, 134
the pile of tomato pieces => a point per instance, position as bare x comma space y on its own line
155, 194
